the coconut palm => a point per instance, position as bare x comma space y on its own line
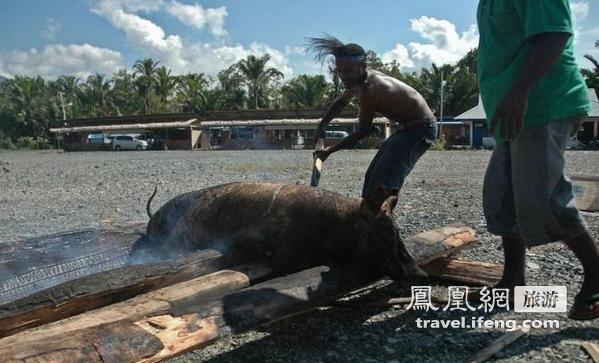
27, 99
257, 75
97, 95
306, 91
591, 76
145, 71
165, 86
70, 89
191, 92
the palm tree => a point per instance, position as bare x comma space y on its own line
145, 70
70, 88
257, 75
306, 91
124, 93
191, 93
591, 76
97, 95
27, 98
165, 86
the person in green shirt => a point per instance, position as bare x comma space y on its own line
535, 99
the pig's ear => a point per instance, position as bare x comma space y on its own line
382, 198
389, 204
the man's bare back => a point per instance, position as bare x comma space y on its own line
392, 98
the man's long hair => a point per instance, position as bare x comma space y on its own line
331, 46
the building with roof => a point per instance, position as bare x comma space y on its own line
188, 131
477, 120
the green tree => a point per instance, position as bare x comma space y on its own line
145, 71
591, 75
306, 91
191, 93
97, 95
70, 89
257, 75
165, 87
28, 101
230, 93
124, 93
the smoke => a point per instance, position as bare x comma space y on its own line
40, 263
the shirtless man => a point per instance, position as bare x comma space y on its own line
377, 93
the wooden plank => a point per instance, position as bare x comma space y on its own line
249, 308
430, 245
90, 292
266, 302
586, 192
497, 345
157, 302
464, 271
31, 265
592, 350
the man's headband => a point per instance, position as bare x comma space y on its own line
353, 58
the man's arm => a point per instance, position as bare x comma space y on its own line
334, 110
366, 117
546, 49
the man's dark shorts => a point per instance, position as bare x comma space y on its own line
526, 193
397, 156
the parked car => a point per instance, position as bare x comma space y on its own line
330, 134
126, 142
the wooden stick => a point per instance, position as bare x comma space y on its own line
209, 287
498, 344
464, 271
592, 349
90, 292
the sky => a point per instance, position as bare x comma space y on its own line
81, 37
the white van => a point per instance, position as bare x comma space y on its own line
336, 134
127, 142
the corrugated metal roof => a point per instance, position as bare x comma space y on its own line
478, 112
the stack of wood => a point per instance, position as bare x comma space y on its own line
156, 311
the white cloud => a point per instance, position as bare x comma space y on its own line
580, 10
400, 54
52, 28
54, 60
295, 50
445, 44
198, 17
584, 39
144, 34
170, 50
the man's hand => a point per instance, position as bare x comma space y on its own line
510, 113
323, 154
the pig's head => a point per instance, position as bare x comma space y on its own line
384, 248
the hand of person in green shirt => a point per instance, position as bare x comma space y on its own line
545, 51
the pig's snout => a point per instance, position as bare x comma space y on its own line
407, 275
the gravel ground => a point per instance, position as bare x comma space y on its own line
44, 192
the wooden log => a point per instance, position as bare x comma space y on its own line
204, 288
31, 265
249, 308
263, 303
497, 345
592, 350
586, 192
90, 292
464, 271
430, 245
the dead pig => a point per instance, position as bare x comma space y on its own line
292, 227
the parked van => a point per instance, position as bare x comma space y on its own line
336, 134
127, 142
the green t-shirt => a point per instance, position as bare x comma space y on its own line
504, 27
